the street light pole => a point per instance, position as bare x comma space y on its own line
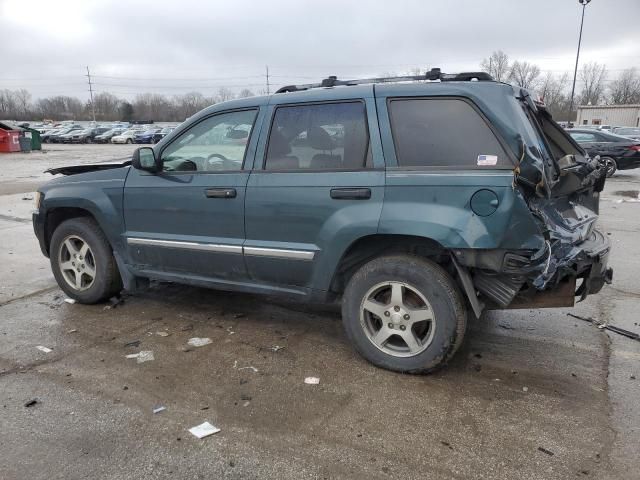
575, 71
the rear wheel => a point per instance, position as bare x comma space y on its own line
129, 141
82, 261
610, 165
404, 313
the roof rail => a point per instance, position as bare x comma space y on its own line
432, 75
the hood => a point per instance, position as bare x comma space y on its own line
76, 169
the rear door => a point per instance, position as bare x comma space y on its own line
189, 218
318, 185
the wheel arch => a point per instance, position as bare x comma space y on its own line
369, 247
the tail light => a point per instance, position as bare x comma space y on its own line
635, 148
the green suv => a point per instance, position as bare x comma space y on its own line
413, 201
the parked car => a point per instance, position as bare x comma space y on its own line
87, 135
59, 136
146, 136
162, 133
108, 135
618, 152
629, 132
128, 136
404, 224
46, 135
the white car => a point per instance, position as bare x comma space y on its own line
125, 137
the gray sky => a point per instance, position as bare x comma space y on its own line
171, 47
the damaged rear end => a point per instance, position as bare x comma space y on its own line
561, 186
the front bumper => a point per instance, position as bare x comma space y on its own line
38, 220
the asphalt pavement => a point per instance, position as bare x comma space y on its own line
532, 394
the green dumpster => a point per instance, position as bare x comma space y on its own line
36, 142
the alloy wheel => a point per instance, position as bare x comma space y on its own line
77, 263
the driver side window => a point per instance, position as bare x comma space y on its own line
218, 143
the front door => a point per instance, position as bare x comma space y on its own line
318, 186
189, 218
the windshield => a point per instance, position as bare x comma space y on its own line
627, 131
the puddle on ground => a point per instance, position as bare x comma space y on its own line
628, 193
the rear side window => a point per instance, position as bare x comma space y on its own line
329, 136
443, 133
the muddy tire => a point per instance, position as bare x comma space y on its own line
82, 261
404, 313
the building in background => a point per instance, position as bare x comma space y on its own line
615, 115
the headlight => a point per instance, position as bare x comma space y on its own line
39, 196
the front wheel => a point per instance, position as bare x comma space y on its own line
404, 313
82, 261
129, 141
610, 165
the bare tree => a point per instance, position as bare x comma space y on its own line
626, 88
7, 103
23, 103
497, 65
524, 74
245, 93
592, 76
553, 90
224, 94
106, 106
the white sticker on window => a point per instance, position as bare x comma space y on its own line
485, 160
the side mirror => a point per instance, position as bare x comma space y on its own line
144, 158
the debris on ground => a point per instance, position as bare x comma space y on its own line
159, 408
44, 349
446, 444
143, 356
73, 330
312, 380
134, 343
244, 396
31, 402
605, 326
250, 367
199, 342
203, 430
276, 348
162, 333
70, 300
525, 389
186, 328
115, 302
231, 332
632, 377
544, 450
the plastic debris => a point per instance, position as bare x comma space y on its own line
231, 332
162, 334
159, 408
31, 402
312, 380
143, 356
73, 330
44, 349
199, 342
544, 450
203, 430
525, 389
70, 300
276, 348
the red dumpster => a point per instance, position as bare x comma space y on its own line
9, 139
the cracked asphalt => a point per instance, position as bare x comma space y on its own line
532, 394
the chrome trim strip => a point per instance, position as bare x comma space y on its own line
209, 247
279, 253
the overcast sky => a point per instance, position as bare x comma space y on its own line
171, 47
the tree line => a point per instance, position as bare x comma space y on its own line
593, 87
592, 84
19, 105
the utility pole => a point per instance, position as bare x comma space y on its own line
93, 108
575, 71
267, 67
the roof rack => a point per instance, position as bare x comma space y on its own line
432, 75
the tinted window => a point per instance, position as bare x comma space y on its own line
443, 132
216, 144
583, 137
319, 137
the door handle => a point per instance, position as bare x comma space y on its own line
220, 193
351, 193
